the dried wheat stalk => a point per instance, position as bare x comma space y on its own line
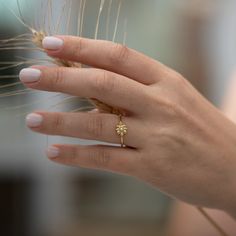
32, 41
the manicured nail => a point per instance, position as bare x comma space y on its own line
53, 152
52, 43
30, 75
34, 120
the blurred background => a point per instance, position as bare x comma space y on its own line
37, 197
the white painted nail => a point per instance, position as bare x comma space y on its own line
30, 75
52, 43
34, 120
53, 152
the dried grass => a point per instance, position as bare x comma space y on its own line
32, 41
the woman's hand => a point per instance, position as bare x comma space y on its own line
176, 141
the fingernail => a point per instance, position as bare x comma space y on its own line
52, 43
30, 75
34, 120
53, 152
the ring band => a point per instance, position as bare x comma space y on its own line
121, 130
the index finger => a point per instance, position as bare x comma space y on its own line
106, 55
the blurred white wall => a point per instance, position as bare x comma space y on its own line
220, 45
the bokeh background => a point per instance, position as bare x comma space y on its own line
37, 197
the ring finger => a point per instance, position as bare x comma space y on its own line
100, 127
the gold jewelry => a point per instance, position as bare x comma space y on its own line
121, 130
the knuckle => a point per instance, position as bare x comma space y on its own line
77, 48
95, 126
180, 80
104, 82
152, 99
74, 154
168, 107
58, 123
59, 79
148, 96
119, 54
99, 157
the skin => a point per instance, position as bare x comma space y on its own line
177, 141
197, 225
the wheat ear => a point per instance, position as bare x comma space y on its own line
36, 37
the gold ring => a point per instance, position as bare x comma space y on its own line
121, 130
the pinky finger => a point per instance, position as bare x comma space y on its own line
110, 158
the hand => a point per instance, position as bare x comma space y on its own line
176, 141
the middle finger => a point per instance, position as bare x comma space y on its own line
110, 88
